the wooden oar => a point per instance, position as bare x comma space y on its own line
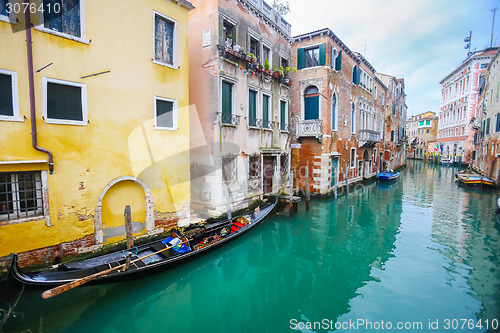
70, 285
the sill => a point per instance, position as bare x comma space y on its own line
166, 128
228, 125
66, 122
22, 220
267, 129
284, 131
173, 66
12, 118
63, 35
314, 67
253, 127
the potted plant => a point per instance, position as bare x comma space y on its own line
251, 58
266, 66
229, 40
290, 69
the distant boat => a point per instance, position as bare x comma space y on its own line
388, 176
473, 179
446, 161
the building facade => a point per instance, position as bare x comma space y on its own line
337, 113
395, 122
488, 136
89, 125
459, 100
240, 133
421, 131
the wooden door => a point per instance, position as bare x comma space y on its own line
268, 173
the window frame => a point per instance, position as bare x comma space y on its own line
232, 83
351, 160
308, 48
256, 104
282, 100
44, 190
83, 86
174, 64
269, 110
15, 97
81, 39
175, 124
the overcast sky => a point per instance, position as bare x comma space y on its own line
419, 40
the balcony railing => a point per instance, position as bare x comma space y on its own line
369, 135
272, 15
229, 119
310, 128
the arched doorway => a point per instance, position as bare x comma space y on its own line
109, 221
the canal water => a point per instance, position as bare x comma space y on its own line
419, 255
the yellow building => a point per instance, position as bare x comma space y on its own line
111, 103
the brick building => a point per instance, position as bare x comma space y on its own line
395, 122
337, 113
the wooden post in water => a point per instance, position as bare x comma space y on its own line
128, 227
291, 193
228, 203
307, 188
346, 179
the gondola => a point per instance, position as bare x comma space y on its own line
385, 176
147, 259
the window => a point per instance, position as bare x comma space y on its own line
336, 57
283, 115
334, 112
4, 16
165, 113
228, 30
64, 102
311, 56
383, 97
284, 163
165, 43
353, 118
428, 131
253, 166
375, 92
427, 122
254, 47
265, 111
252, 108
9, 107
497, 127
311, 103
353, 157
227, 102
64, 17
20, 195
229, 168
266, 54
392, 135
284, 62
487, 126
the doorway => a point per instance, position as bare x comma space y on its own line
268, 166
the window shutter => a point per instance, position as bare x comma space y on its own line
358, 75
221, 31
332, 57
338, 61
283, 114
354, 70
322, 54
6, 106
226, 98
252, 110
300, 58
487, 126
265, 109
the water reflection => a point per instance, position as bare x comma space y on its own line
418, 249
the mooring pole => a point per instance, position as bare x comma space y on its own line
128, 227
307, 188
346, 179
228, 203
290, 191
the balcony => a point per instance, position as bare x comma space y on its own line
228, 119
310, 128
368, 137
272, 15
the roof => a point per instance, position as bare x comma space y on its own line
184, 3
489, 52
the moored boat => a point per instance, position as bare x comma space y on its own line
474, 179
146, 259
388, 175
446, 162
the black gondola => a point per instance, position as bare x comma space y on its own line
160, 255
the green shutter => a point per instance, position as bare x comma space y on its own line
221, 31
6, 105
73, 103
252, 109
358, 75
322, 54
265, 110
300, 58
332, 58
487, 126
227, 98
354, 71
283, 115
338, 62
311, 107
64, 102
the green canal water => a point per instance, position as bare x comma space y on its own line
421, 255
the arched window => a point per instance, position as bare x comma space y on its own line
311, 103
334, 112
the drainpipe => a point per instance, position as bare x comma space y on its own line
29, 47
